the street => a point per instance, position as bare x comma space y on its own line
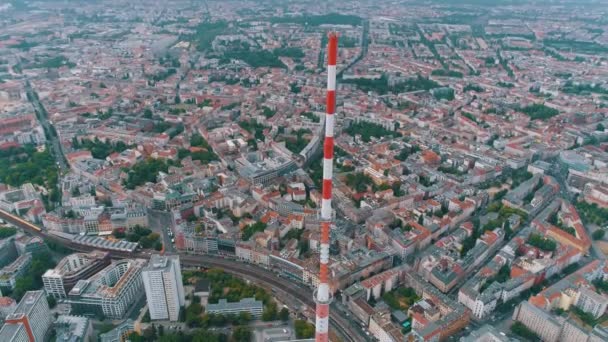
49, 130
162, 222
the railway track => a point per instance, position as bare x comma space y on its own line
302, 294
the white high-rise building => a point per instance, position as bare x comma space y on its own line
30, 321
164, 289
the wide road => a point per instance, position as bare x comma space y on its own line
364, 46
345, 329
49, 130
162, 223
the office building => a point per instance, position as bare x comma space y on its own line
73, 329
60, 280
111, 292
120, 333
14, 333
254, 307
164, 289
10, 273
32, 316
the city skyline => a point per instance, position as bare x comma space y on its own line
303, 170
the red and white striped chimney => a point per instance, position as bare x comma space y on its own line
323, 298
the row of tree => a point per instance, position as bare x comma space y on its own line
382, 85
538, 111
368, 130
6, 232
99, 149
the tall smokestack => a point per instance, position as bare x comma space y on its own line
323, 298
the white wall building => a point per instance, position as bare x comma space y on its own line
250, 305
32, 315
537, 320
60, 280
164, 289
591, 302
110, 292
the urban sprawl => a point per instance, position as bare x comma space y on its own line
162, 170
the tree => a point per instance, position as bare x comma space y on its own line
368, 130
600, 127
148, 113
243, 318
520, 329
598, 234
22, 285
145, 171
256, 59
198, 140
538, 111
217, 320
150, 333
546, 244
382, 86
193, 312
119, 233
52, 301
293, 52
446, 73
508, 230
592, 213
135, 337
252, 229
270, 312
241, 334
358, 181
397, 192
146, 242
295, 88
32, 280
284, 314
7, 232
304, 329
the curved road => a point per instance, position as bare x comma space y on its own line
341, 325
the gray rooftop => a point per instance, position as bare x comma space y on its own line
486, 333
9, 331
71, 328
244, 304
159, 262
27, 303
